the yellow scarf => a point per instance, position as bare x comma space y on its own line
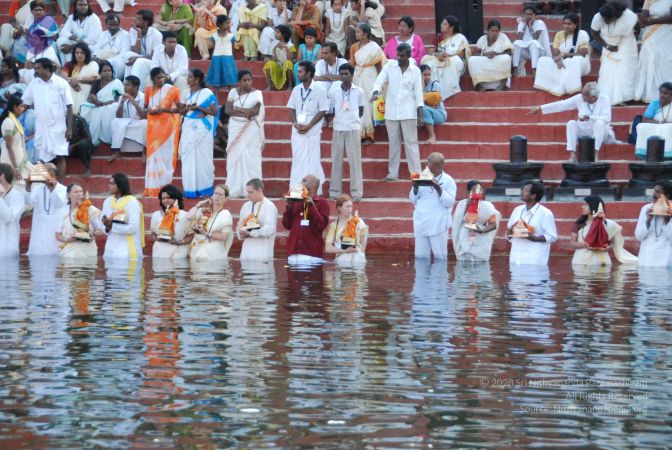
118, 204
16, 123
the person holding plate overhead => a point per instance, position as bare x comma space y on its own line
124, 221
306, 216
654, 231
257, 224
433, 196
475, 224
531, 228
347, 235
49, 201
80, 226
170, 227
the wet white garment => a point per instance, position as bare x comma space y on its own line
524, 251
49, 210
431, 212
12, 204
655, 248
467, 244
259, 246
124, 241
163, 249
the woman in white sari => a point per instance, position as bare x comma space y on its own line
474, 242
80, 72
245, 106
613, 28
80, 227
170, 227
101, 108
13, 144
368, 59
655, 56
213, 226
657, 121
447, 62
561, 73
490, 63
347, 235
591, 208
201, 113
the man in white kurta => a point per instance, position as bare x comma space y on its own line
326, 69
129, 123
258, 244
655, 232
113, 44
12, 203
432, 205
172, 58
531, 42
50, 206
145, 39
403, 109
51, 98
536, 248
82, 25
594, 117
308, 105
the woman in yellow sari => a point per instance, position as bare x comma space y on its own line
368, 59
80, 227
206, 22
13, 145
162, 106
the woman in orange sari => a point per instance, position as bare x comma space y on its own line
206, 20
307, 15
162, 106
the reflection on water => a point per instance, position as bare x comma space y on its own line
394, 354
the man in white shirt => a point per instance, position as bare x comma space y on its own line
261, 215
403, 109
118, 5
327, 68
82, 25
594, 112
129, 123
655, 232
50, 206
12, 203
308, 105
347, 104
432, 205
145, 39
172, 58
51, 98
113, 44
536, 247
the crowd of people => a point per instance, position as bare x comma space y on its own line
66, 223
66, 90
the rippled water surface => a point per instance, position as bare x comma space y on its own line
400, 354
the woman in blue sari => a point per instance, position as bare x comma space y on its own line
201, 113
42, 33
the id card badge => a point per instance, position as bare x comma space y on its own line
305, 222
301, 118
346, 105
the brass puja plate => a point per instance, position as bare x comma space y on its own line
121, 219
82, 236
472, 226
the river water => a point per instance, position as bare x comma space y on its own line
399, 354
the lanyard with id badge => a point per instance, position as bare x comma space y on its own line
302, 117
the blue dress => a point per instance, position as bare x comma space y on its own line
223, 70
306, 55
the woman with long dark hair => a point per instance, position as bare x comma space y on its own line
170, 227
101, 107
594, 235
123, 220
13, 150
